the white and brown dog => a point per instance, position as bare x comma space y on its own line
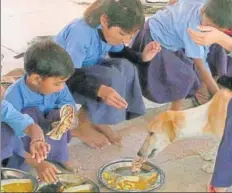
207, 119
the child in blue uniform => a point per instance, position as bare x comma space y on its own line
177, 71
14, 125
108, 89
40, 93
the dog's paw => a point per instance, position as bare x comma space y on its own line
208, 168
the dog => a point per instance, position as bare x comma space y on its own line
169, 126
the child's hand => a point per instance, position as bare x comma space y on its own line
39, 150
206, 35
111, 97
38, 147
150, 51
47, 172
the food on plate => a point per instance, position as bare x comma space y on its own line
16, 185
137, 182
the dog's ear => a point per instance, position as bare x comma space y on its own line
156, 123
170, 129
159, 120
179, 119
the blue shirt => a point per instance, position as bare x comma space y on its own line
169, 27
21, 96
84, 44
16, 120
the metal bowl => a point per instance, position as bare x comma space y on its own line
123, 166
9, 173
69, 180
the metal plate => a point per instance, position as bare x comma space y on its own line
9, 173
122, 166
69, 180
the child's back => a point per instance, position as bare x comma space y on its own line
169, 27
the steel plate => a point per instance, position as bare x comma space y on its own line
69, 180
9, 173
122, 167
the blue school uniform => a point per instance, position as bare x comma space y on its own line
42, 109
84, 44
15, 119
173, 65
88, 50
222, 176
21, 96
169, 27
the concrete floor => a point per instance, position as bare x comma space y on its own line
24, 19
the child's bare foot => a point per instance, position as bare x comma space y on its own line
90, 136
87, 133
112, 135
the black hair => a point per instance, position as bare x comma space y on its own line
220, 12
48, 59
126, 14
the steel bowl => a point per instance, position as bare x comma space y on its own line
67, 180
9, 173
123, 167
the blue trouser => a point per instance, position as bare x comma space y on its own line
222, 176
12, 149
59, 148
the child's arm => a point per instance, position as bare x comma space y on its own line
90, 87
46, 171
206, 76
147, 55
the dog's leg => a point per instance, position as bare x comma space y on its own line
210, 158
208, 167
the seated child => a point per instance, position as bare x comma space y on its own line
176, 72
41, 93
14, 125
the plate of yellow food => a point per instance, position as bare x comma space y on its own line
70, 183
13, 180
118, 176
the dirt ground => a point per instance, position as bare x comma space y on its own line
22, 20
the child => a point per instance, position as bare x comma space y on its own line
219, 60
40, 93
14, 125
173, 73
222, 176
108, 89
